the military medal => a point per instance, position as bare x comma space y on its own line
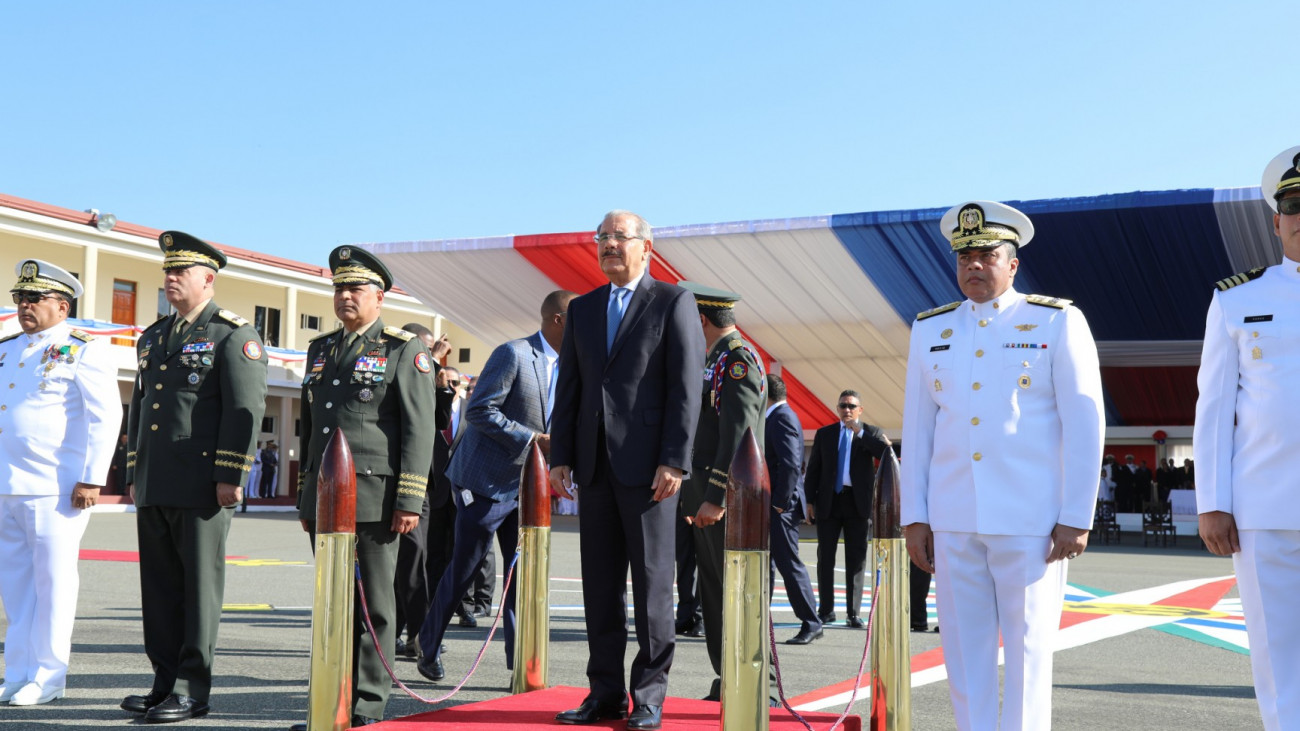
1256, 353
193, 379
365, 395
937, 385
1026, 327
1024, 381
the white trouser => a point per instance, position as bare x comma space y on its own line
1268, 578
987, 583
40, 537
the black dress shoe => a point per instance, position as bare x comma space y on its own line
854, 622
142, 703
592, 711
431, 668
921, 627
298, 727
176, 708
645, 717
805, 637
468, 621
827, 618
363, 721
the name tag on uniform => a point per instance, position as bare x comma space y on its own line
1259, 318
204, 346
370, 364
937, 348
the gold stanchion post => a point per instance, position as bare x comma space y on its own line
891, 652
329, 695
745, 591
533, 614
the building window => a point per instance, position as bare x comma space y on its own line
72, 311
266, 320
297, 428
310, 322
268, 424
464, 355
164, 307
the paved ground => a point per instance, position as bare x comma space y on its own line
1148, 678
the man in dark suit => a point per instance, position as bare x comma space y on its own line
783, 452
840, 473
376, 384
510, 410
194, 418
626, 406
270, 463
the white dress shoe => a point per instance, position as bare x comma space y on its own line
8, 690
34, 695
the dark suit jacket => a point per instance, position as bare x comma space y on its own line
824, 466
783, 451
646, 389
507, 410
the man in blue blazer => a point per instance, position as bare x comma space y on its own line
511, 408
626, 406
783, 450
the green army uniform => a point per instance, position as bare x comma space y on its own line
380, 393
194, 419
735, 397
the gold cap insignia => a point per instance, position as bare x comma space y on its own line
167, 240
345, 254
29, 270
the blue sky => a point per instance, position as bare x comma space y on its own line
290, 127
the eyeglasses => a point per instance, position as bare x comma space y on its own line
617, 238
1289, 206
847, 405
31, 298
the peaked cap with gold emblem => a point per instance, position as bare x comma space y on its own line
1281, 175
710, 298
180, 251
35, 275
985, 224
352, 265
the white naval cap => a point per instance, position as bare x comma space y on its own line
1281, 175
35, 275
980, 224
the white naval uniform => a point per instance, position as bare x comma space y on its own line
1003, 425
59, 422
1246, 464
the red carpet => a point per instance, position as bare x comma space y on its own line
535, 711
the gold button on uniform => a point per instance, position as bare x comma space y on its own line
984, 323
24, 365
1024, 363
157, 406
1255, 334
157, 387
996, 305
975, 421
977, 456
162, 367
979, 354
153, 427
976, 385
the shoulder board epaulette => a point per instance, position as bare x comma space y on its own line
938, 310
326, 335
9, 337
397, 332
82, 335
732, 345
1043, 300
232, 318
1234, 280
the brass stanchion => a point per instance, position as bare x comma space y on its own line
891, 651
533, 595
745, 591
329, 694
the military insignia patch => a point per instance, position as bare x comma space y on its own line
29, 270
253, 350
1026, 327
947, 333
938, 385
1024, 381
1256, 353
422, 362
345, 253
738, 371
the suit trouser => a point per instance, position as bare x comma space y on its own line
842, 518
377, 559
476, 523
688, 602
710, 544
621, 527
39, 540
478, 595
409, 579
987, 583
784, 547
182, 582
1268, 577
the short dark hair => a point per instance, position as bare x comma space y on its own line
851, 392
556, 302
775, 388
418, 330
720, 318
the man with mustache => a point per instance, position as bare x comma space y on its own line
1245, 445
1003, 427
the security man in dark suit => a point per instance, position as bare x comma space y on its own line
376, 384
194, 419
626, 406
734, 399
783, 453
838, 483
